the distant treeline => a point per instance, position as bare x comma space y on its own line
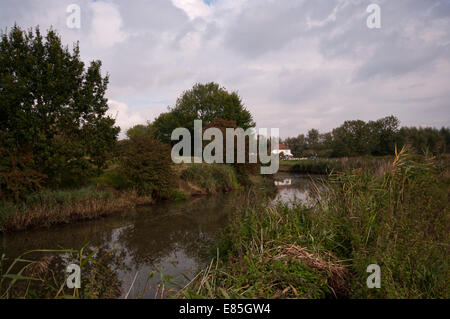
377, 138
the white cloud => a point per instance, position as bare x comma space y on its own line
125, 118
106, 25
193, 8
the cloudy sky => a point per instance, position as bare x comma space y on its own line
297, 64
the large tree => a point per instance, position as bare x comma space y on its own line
53, 120
204, 102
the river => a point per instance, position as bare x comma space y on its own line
167, 238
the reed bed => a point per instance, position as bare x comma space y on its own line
48, 208
398, 220
375, 165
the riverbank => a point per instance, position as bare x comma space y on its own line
168, 237
52, 207
398, 220
325, 166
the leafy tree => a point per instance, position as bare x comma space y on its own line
53, 110
204, 102
312, 138
351, 138
297, 144
383, 135
355, 138
424, 139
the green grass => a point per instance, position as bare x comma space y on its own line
49, 207
213, 178
376, 165
38, 274
398, 220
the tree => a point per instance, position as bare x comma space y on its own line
424, 139
297, 144
312, 138
383, 135
351, 138
204, 102
53, 109
141, 130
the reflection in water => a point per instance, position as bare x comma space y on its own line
293, 187
168, 238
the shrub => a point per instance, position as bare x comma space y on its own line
17, 175
146, 166
211, 177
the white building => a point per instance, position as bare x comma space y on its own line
283, 149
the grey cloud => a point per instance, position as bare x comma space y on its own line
296, 63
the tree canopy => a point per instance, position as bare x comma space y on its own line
356, 138
204, 102
54, 128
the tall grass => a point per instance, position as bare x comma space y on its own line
375, 165
212, 178
41, 273
399, 220
49, 207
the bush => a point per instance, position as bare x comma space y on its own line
17, 175
146, 166
211, 177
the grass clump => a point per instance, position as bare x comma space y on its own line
41, 274
399, 221
213, 178
374, 165
50, 207
254, 261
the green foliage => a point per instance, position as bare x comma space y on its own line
351, 139
426, 139
377, 138
179, 195
252, 262
53, 113
211, 177
146, 166
53, 202
371, 164
204, 102
29, 277
51, 207
243, 170
141, 130
399, 220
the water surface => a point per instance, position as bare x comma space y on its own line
167, 238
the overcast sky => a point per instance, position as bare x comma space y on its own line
297, 64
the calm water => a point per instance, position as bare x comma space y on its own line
168, 238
